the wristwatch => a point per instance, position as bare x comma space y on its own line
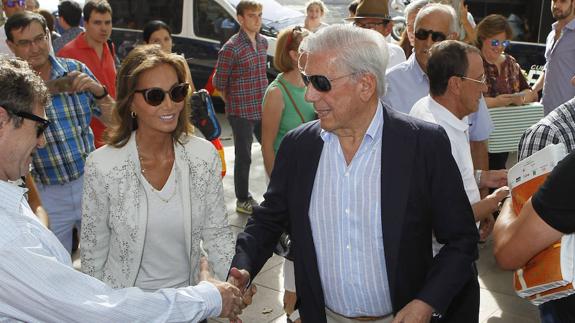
478, 173
99, 97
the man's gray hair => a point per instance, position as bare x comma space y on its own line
415, 6
439, 7
356, 49
20, 87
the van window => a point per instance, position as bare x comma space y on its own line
134, 14
212, 21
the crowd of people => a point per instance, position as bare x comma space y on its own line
376, 155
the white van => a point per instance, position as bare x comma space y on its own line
199, 27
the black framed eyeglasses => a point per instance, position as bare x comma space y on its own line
496, 43
155, 96
41, 123
320, 82
436, 36
12, 3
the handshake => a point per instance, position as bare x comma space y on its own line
235, 293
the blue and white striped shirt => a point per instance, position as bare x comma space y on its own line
39, 284
345, 215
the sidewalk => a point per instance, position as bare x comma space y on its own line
499, 304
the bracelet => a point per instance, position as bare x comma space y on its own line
477, 174
99, 97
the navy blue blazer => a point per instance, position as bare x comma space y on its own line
422, 192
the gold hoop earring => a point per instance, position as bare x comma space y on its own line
133, 114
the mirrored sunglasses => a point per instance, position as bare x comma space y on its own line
12, 3
436, 36
496, 43
320, 82
155, 96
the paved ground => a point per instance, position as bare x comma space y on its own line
499, 304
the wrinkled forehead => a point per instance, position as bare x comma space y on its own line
318, 63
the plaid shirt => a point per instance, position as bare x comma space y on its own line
558, 126
241, 74
69, 138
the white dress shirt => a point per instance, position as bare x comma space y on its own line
39, 284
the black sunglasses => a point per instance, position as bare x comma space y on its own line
320, 82
155, 96
436, 36
42, 123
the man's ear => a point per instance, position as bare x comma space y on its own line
12, 46
4, 119
368, 86
454, 85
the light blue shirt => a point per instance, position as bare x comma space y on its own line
559, 67
39, 284
345, 216
407, 83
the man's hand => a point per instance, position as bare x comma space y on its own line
240, 278
232, 304
493, 178
83, 82
415, 311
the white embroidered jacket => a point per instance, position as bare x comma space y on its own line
114, 211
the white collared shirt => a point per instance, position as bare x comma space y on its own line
428, 109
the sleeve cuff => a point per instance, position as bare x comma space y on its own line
212, 297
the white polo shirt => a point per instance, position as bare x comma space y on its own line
457, 130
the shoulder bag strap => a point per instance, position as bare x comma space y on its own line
292, 101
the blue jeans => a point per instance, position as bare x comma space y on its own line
243, 131
63, 203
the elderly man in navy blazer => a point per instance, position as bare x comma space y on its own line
361, 190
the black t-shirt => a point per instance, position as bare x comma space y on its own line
555, 203
555, 199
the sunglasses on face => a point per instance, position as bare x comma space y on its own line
320, 82
496, 43
155, 96
436, 36
41, 123
12, 4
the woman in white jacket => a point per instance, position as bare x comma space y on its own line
153, 195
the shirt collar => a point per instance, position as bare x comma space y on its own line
11, 195
57, 69
373, 131
441, 112
81, 41
244, 37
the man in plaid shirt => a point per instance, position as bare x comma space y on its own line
558, 126
59, 165
241, 78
